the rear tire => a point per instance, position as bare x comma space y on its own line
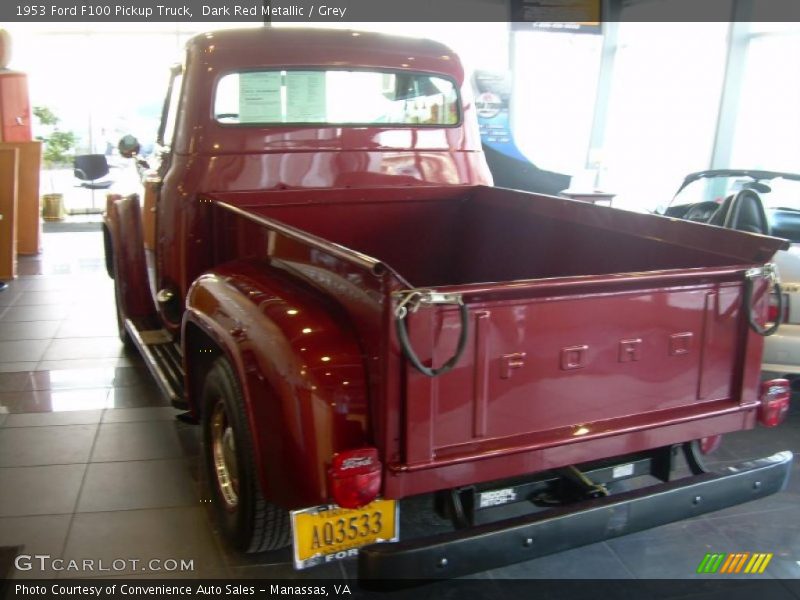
124, 336
108, 251
247, 520
697, 453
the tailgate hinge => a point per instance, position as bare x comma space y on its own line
410, 301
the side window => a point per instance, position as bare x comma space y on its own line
169, 116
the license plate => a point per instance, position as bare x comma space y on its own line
327, 533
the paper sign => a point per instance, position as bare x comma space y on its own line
260, 97
305, 97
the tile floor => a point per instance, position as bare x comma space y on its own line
94, 465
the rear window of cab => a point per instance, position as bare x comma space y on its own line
335, 97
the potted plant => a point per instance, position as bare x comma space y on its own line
57, 151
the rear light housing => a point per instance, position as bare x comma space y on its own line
710, 444
775, 397
772, 314
355, 477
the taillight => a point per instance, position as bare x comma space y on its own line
772, 314
710, 444
775, 396
355, 477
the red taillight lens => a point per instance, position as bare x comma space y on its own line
775, 396
355, 477
772, 314
710, 444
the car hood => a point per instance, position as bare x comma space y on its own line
788, 262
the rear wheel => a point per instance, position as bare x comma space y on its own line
124, 336
108, 251
698, 453
248, 521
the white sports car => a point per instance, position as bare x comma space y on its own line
764, 202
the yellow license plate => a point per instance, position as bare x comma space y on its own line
323, 534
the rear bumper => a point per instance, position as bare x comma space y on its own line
523, 538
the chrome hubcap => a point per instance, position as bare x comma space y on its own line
223, 449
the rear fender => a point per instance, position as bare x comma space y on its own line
123, 221
299, 364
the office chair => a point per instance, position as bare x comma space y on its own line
91, 170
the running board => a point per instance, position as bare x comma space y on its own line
163, 359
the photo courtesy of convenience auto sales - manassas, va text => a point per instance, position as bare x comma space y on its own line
125, 589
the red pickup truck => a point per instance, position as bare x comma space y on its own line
322, 275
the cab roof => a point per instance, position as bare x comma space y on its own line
270, 47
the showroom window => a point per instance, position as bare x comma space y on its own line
102, 81
665, 97
117, 91
555, 84
769, 139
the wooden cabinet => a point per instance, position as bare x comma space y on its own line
9, 168
15, 107
29, 156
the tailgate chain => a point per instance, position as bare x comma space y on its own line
771, 273
410, 301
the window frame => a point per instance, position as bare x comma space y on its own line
176, 72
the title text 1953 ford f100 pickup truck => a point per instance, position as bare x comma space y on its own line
321, 275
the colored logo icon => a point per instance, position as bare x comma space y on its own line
735, 562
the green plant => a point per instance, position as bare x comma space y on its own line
58, 145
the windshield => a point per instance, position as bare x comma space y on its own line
775, 193
335, 96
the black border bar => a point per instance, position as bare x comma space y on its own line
697, 588
525, 13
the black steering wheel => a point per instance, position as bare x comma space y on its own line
701, 212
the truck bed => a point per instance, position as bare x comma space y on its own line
593, 332
454, 236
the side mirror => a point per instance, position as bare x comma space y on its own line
128, 146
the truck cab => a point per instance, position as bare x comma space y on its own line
281, 109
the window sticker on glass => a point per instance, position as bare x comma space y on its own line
305, 97
260, 97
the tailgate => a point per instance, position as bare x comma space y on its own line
570, 360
